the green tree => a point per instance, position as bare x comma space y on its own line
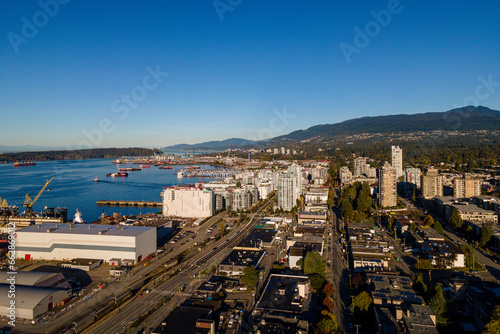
331, 198
364, 201
486, 234
455, 219
424, 264
317, 281
438, 306
300, 263
413, 227
346, 209
414, 195
361, 303
314, 264
493, 326
418, 283
437, 226
222, 228
428, 220
468, 250
249, 277
328, 322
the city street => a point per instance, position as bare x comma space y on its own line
338, 274
493, 269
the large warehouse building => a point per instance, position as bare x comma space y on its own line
34, 293
31, 301
51, 241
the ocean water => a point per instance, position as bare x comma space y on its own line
73, 186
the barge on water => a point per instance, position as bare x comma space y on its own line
24, 163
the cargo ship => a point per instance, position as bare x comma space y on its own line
23, 164
165, 167
122, 174
145, 166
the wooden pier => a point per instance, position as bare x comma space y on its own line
129, 203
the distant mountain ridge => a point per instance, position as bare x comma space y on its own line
212, 145
464, 119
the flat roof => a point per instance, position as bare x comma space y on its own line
86, 229
394, 288
183, 320
281, 294
262, 234
243, 258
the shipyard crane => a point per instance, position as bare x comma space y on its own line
28, 203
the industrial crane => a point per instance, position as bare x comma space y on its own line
28, 203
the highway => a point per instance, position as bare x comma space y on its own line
118, 320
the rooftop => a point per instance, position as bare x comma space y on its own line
33, 278
420, 320
183, 320
86, 229
282, 294
243, 258
395, 288
267, 236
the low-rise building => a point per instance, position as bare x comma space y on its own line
238, 260
285, 296
51, 241
389, 290
480, 300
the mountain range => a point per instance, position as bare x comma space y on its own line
461, 120
212, 145
468, 120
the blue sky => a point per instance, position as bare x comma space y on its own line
83, 77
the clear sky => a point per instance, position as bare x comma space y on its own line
157, 73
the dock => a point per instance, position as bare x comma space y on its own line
130, 203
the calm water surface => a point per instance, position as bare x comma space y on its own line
73, 185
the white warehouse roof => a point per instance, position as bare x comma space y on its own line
88, 229
32, 278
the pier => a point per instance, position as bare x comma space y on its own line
129, 203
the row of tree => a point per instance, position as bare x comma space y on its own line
94, 153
